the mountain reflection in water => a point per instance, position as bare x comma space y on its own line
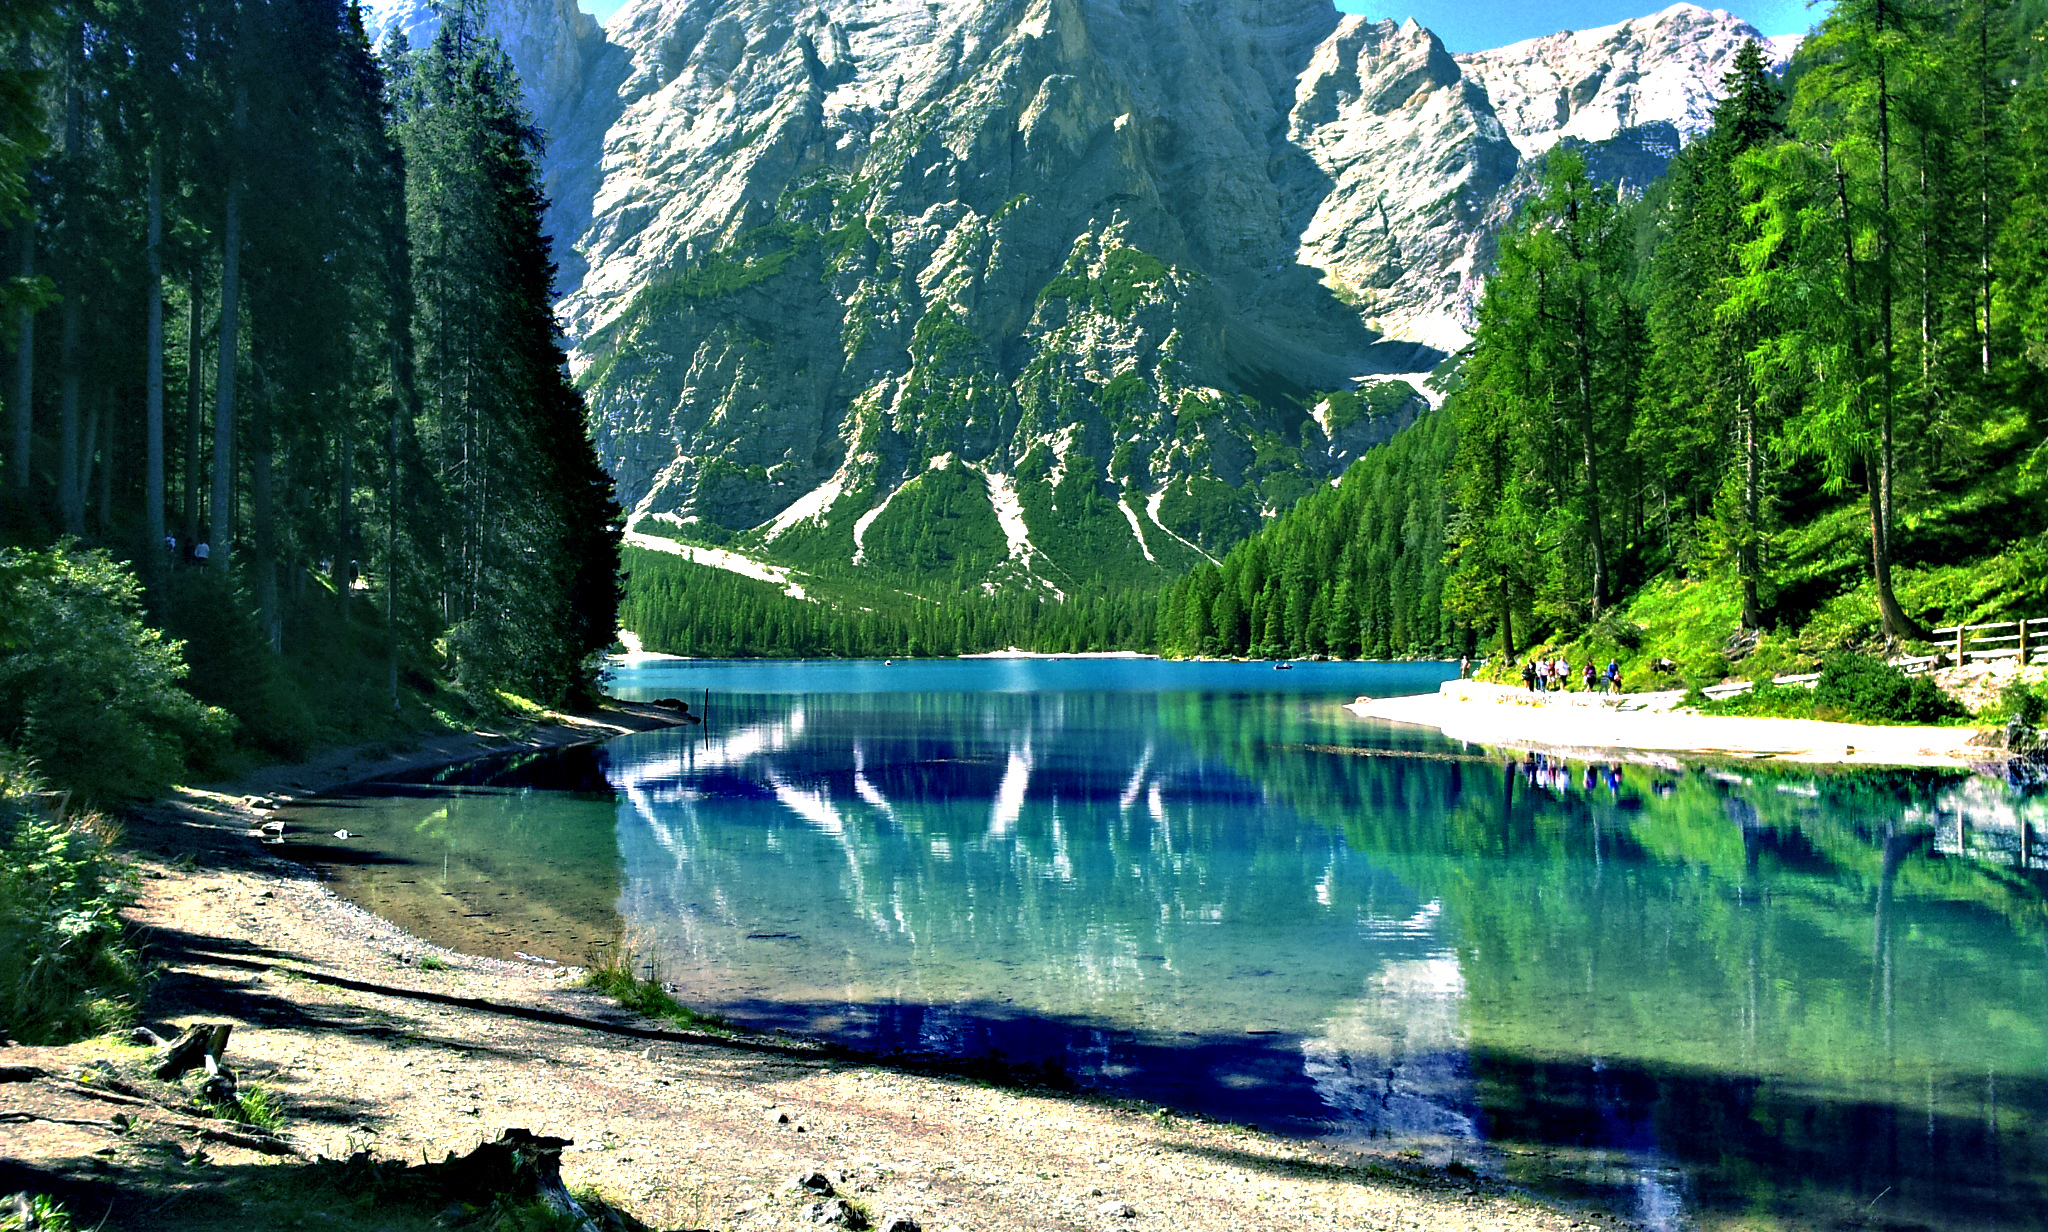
1699, 994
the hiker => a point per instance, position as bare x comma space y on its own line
1529, 675
1464, 666
1588, 673
1613, 676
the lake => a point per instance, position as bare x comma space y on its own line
1701, 995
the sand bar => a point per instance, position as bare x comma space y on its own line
1513, 717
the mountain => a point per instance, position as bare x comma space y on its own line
1037, 291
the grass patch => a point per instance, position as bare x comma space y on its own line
45, 1214
67, 968
434, 962
1852, 688
617, 978
257, 1106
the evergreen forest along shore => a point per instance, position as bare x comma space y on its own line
1787, 400
291, 456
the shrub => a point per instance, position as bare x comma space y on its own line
86, 688
1865, 689
67, 970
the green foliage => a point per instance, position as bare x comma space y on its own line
939, 524
1354, 572
1866, 689
67, 969
618, 978
1127, 278
45, 1214
1208, 512
679, 607
87, 688
1377, 400
253, 1105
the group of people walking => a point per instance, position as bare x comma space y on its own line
1555, 675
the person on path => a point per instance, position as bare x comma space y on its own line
1613, 676
1464, 666
1529, 675
1589, 674
1560, 673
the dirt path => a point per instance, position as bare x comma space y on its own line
374, 1050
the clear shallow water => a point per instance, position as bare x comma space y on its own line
1701, 996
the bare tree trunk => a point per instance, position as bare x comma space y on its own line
221, 519
70, 480
1984, 181
194, 372
1896, 622
260, 511
1507, 622
1752, 483
103, 417
153, 498
344, 534
25, 366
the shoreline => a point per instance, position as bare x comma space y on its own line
1587, 726
376, 1040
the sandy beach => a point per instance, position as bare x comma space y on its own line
1591, 724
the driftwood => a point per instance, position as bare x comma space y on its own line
201, 1044
520, 1167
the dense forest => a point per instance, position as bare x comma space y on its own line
1790, 398
290, 444
678, 606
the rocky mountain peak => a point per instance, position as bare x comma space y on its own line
1089, 286
1592, 85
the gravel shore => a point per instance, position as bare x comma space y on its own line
378, 1041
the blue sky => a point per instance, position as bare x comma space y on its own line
1472, 25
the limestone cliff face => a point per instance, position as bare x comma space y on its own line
1122, 275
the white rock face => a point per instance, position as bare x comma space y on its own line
808, 248
1596, 84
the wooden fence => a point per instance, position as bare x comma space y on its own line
2006, 639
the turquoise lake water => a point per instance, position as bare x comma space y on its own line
1701, 995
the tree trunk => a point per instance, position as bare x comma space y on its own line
1896, 623
70, 482
344, 548
25, 366
221, 511
1596, 536
1507, 621
153, 409
1752, 482
70, 479
103, 416
1984, 181
261, 513
193, 395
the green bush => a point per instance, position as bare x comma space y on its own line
86, 688
67, 970
1864, 689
